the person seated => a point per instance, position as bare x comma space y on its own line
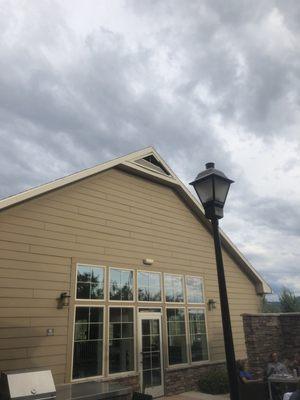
245, 376
294, 364
274, 366
249, 387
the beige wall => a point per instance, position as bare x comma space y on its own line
114, 219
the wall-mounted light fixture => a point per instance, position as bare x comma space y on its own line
148, 261
211, 304
63, 300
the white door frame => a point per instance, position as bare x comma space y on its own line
155, 391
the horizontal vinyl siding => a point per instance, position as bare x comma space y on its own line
115, 219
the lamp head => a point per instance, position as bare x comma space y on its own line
212, 186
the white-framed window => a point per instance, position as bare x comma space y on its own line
177, 343
149, 286
173, 288
194, 289
90, 281
121, 284
198, 334
88, 342
121, 340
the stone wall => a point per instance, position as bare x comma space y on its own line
290, 326
265, 333
130, 381
187, 378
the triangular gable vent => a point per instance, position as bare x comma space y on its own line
152, 163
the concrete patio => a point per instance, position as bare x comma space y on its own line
196, 396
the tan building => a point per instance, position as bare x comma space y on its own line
130, 245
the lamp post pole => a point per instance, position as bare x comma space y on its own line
227, 332
211, 186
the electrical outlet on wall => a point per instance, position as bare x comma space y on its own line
50, 332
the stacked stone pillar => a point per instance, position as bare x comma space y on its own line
265, 333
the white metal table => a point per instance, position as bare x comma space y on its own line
281, 379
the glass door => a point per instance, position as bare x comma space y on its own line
150, 354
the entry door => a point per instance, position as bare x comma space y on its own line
150, 354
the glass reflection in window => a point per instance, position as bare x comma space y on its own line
176, 336
149, 286
121, 340
88, 342
90, 282
120, 284
194, 288
198, 337
173, 288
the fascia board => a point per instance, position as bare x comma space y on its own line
61, 182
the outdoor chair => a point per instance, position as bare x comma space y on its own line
141, 396
253, 390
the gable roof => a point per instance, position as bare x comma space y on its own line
146, 163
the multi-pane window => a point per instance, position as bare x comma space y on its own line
194, 289
90, 282
120, 284
176, 336
88, 342
121, 339
149, 286
173, 288
89, 321
151, 352
198, 338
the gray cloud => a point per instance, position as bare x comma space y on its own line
251, 71
69, 101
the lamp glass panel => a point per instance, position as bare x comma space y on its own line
204, 190
221, 189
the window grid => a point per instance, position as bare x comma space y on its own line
149, 286
119, 291
79, 346
174, 288
198, 335
192, 292
179, 329
84, 285
151, 351
117, 323
177, 335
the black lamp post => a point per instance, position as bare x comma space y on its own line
212, 188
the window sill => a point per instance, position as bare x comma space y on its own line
193, 365
120, 375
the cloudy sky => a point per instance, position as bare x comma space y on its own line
82, 82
